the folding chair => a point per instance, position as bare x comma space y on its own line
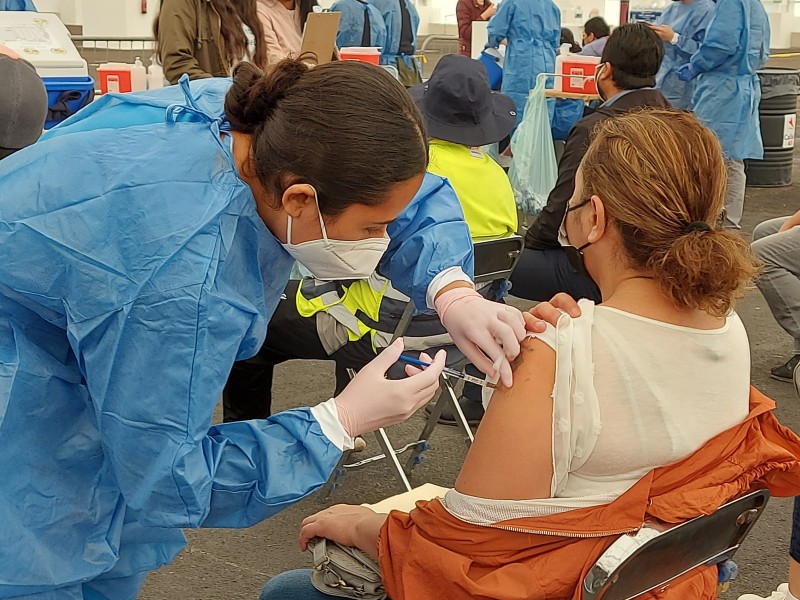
495, 259
704, 541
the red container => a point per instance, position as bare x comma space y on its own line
579, 85
114, 77
362, 54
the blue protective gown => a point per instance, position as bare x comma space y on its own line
533, 31
135, 271
690, 22
351, 27
727, 91
393, 19
17, 5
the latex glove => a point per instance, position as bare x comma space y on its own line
686, 73
371, 401
488, 333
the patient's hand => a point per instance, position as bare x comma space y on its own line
549, 312
347, 525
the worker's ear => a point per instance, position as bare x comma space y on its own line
606, 72
299, 198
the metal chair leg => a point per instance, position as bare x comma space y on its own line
461, 421
333, 481
391, 456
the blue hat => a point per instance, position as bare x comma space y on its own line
460, 107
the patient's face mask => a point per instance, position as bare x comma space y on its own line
574, 254
333, 260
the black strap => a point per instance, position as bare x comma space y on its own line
406, 35
366, 36
59, 110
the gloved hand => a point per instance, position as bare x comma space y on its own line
488, 333
371, 401
686, 73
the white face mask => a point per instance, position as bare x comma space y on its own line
333, 260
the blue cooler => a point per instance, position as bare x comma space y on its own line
66, 96
494, 68
45, 43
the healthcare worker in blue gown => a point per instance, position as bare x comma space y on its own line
17, 5
361, 25
402, 22
146, 245
727, 91
532, 29
682, 27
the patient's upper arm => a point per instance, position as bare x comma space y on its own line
511, 458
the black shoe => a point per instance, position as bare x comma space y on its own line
473, 412
785, 371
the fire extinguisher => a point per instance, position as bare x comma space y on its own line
144, 7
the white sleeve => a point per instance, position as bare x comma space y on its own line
328, 418
441, 281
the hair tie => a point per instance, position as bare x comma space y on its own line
696, 226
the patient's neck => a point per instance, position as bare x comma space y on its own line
640, 294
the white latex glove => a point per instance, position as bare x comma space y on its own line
371, 401
488, 333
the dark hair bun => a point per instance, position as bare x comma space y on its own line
254, 95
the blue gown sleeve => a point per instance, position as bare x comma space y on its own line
690, 42
155, 370
500, 23
721, 38
428, 237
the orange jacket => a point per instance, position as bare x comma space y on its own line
429, 554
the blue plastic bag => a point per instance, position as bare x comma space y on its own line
533, 169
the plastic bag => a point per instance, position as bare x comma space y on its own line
533, 169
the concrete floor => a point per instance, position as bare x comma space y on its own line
235, 564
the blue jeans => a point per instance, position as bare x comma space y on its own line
292, 585
794, 548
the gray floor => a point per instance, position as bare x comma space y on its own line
234, 564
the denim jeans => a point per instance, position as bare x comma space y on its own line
292, 585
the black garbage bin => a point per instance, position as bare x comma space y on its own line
778, 115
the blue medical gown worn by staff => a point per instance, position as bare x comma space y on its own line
533, 31
393, 19
690, 21
351, 27
17, 5
136, 270
727, 91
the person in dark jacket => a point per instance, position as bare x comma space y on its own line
207, 38
625, 77
468, 11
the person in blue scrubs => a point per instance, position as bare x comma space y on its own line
17, 5
727, 92
147, 242
682, 27
361, 25
532, 29
402, 22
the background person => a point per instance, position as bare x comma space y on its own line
776, 244
282, 24
532, 29
207, 39
402, 22
727, 92
463, 115
625, 80
595, 35
361, 24
468, 11
567, 37
23, 103
682, 27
